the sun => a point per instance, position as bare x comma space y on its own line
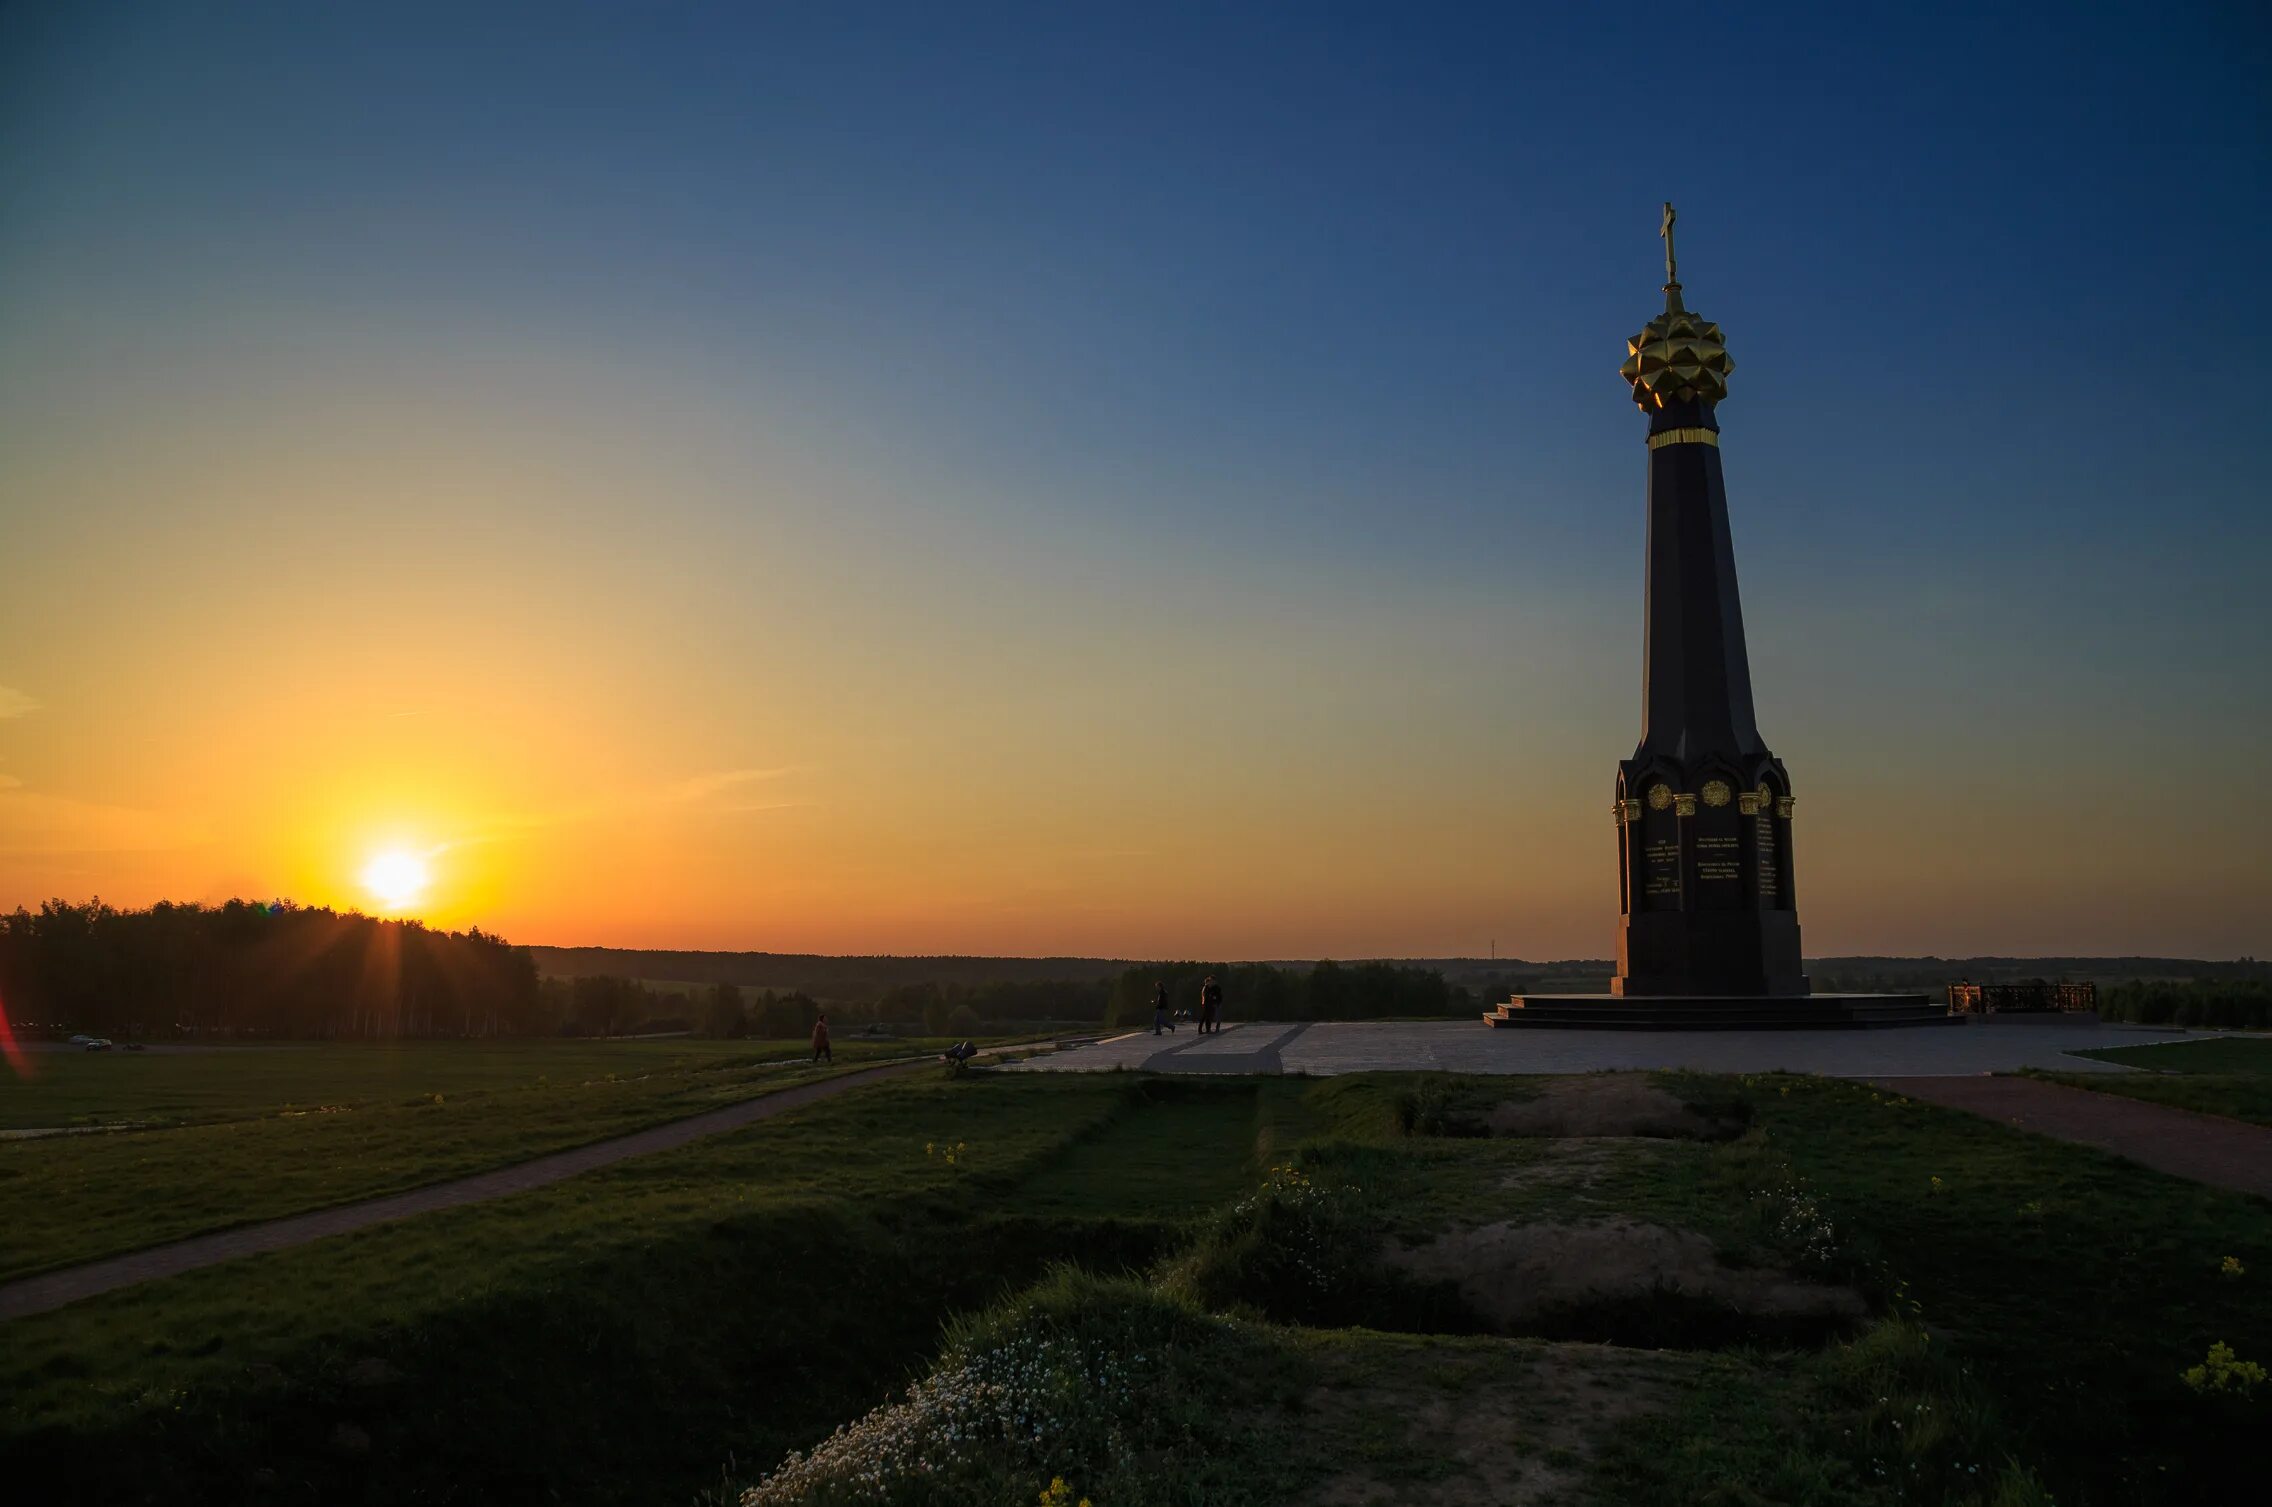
397, 877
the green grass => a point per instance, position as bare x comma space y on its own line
635, 1332
2230, 1076
603, 1339
200, 1085
1172, 1165
2075, 1285
374, 1120
2251, 1055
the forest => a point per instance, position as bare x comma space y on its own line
253, 969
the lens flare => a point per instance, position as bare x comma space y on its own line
15, 1055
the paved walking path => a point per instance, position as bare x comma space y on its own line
2206, 1148
30, 1295
1251, 1049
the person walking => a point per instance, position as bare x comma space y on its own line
1160, 1008
821, 1050
1210, 1007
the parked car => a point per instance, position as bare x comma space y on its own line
81, 1039
97, 1044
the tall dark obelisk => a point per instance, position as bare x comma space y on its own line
1706, 903
1708, 920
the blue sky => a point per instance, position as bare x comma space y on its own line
1299, 326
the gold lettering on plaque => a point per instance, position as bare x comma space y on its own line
1663, 859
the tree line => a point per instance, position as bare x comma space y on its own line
253, 969
861, 980
2231, 1004
607, 1004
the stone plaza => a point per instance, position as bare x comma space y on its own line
1330, 1047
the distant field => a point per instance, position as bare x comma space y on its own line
254, 1133
170, 1085
2230, 1076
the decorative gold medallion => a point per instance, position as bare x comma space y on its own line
1717, 793
1684, 805
1660, 797
1766, 797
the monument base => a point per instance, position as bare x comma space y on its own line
1719, 1012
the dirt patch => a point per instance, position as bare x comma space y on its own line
1454, 1424
1577, 1163
1607, 1104
1631, 1280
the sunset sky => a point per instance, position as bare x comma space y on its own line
853, 478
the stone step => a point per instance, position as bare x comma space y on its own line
1734, 1023
1822, 1012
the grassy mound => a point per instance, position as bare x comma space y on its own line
1115, 1389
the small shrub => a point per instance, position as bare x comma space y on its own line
1298, 1249
1431, 1109
2224, 1372
1083, 1379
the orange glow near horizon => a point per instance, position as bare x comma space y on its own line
778, 735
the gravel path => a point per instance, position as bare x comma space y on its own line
30, 1295
2206, 1148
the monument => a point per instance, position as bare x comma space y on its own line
1707, 900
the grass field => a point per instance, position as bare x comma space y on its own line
2229, 1075
683, 1321
243, 1134
204, 1085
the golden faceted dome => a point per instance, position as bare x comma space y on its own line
1677, 356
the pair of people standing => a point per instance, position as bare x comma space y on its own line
1210, 1006
1210, 1013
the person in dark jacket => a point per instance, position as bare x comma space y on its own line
1210, 1007
820, 1041
1160, 1009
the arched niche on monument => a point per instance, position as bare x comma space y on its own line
1716, 842
1659, 877
1767, 814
